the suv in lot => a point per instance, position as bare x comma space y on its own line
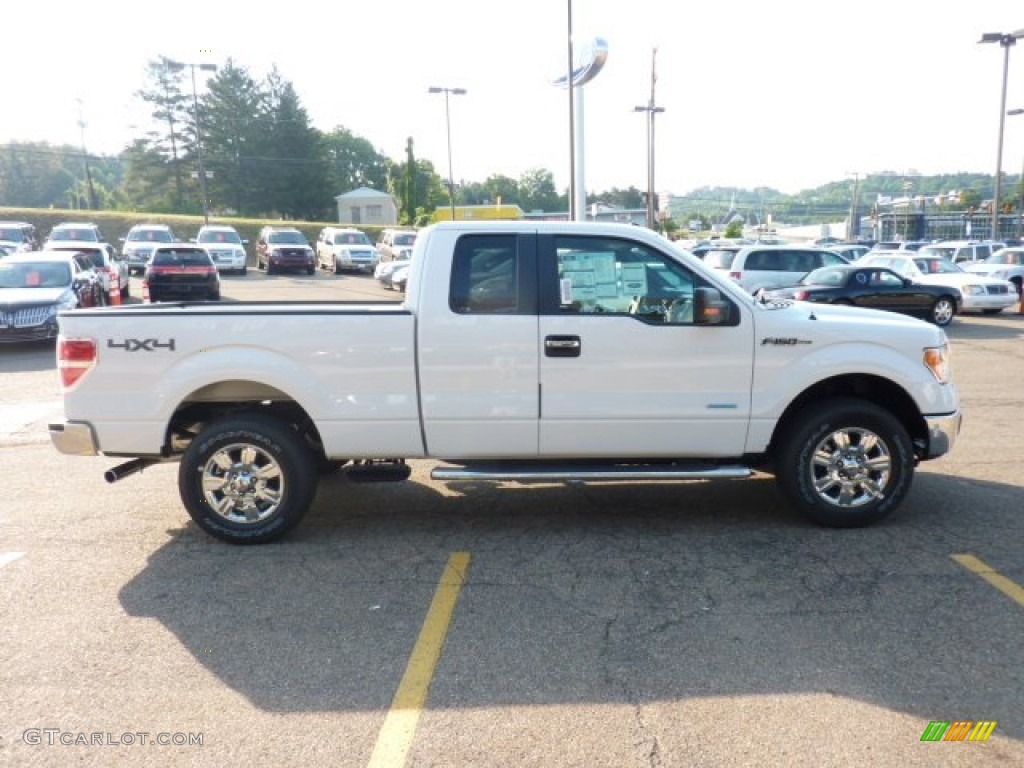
1006, 264
140, 242
962, 250
396, 244
281, 248
772, 266
225, 246
74, 232
339, 248
17, 237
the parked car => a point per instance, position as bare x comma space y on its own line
74, 232
225, 246
283, 248
396, 244
385, 270
35, 286
17, 237
111, 267
181, 271
1006, 264
874, 288
979, 293
341, 248
400, 277
850, 251
959, 251
140, 242
899, 245
775, 266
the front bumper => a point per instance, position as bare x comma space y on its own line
74, 438
942, 433
979, 302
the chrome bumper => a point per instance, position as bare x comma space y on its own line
942, 433
75, 438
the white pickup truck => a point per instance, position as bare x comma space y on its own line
523, 351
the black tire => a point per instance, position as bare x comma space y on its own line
126, 290
1018, 283
275, 446
877, 489
244, 271
942, 311
337, 269
310, 270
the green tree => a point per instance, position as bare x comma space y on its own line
171, 116
537, 190
39, 175
353, 162
734, 229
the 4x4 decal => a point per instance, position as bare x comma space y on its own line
141, 345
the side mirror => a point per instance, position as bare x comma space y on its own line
709, 308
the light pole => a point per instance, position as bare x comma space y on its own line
651, 111
177, 66
1020, 197
1006, 41
448, 129
85, 159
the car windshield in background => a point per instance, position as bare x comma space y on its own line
182, 258
151, 235
942, 253
824, 276
719, 259
351, 238
220, 237
1006, 257
67, 233
12, 235
31, 274
287, 238
405, 239
938, 266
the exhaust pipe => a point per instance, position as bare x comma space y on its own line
121, 471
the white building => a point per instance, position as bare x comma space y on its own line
367, 206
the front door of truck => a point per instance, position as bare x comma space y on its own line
624, 369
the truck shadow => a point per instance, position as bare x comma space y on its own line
619, 594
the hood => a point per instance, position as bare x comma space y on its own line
987, 269
825, 323
31, 296
959, 280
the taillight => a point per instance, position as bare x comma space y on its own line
75, 357
801, 295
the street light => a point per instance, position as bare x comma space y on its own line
448, 129
651, 111
1020, 201
177, 66
1005, 40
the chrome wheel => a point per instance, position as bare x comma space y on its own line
243, 483
850, 467
943, 311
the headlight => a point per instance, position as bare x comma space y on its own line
973, 290
936, 359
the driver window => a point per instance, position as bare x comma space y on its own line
608, 276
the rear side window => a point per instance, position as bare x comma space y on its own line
719, 259
486, 273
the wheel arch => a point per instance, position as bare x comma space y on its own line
875, 389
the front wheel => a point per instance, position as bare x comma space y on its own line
942, 311
845, 463
247, 479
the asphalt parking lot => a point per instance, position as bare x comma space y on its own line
420, 624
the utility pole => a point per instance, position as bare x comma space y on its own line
853, 230
651, 111
85, 160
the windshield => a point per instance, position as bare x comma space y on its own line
351, 238
34, 274
938, 266
151, 235
182, 257
74, 233
12, 235
220, 236
719, 259
287, 237
824, 276
1006, 256
942, 252
409, 239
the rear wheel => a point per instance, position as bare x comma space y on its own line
942, 311
126, 290
248, 479
845, 463
311, 270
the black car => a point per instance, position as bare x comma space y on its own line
181, 271
875, 288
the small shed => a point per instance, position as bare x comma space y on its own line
367, 206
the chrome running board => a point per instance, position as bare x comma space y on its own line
526, 472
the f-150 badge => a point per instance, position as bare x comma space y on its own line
784, 341
141, 345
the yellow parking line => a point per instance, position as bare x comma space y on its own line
1008, 587
396, 734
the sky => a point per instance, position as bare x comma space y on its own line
788, 94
